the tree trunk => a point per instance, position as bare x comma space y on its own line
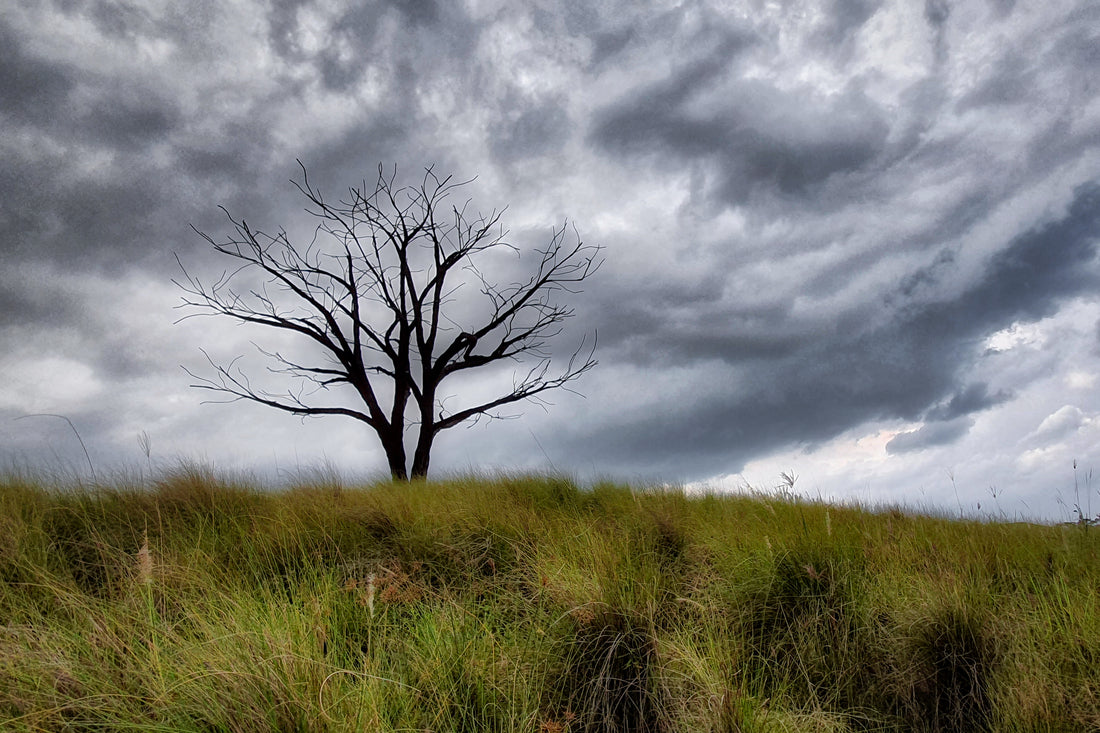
395, 456
423, 452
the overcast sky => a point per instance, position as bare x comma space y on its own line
850, 239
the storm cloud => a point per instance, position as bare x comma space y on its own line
856, 239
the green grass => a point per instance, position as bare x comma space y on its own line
193, 603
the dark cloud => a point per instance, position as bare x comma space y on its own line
971, 399
606, 45
1035, 272
929, 436
852, 14
217, 161
118, 19
526, 129
750, 135
42, 93
681, 321
843, 20
936, 12
419, 11
807, 390
28, 297
32, 90
673, 326
96, 234
129, 123
1078, 50
1013, 83
49, 214
1003, 8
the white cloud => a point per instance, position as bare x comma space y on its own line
1015, 336
34, 384
1058, 425
1081, 380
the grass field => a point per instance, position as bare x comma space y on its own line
190, 602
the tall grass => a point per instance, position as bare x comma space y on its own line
194, 603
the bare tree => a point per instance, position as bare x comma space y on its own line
377, 289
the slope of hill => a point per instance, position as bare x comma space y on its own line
193, 603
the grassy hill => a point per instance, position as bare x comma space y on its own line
190, 603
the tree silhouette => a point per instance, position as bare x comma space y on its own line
379, 290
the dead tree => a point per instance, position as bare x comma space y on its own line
378, 293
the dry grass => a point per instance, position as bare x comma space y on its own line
189, 602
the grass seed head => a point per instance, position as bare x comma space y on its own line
145, 561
